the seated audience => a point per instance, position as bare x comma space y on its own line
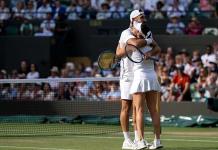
175, 26
194, 27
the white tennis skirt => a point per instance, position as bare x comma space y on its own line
145, 85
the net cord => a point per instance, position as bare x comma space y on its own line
45, 80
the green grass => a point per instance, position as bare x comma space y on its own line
172, 138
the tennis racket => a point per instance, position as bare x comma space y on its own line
107, 60
137, 57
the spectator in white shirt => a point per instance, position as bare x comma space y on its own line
184, 3
176, 10
175, 26
47, 27
30, 11
88, 11
54, 75
18, 10
104, 13
33, 74
208, 57
43, 10
48, 94
4, 11
150, 5
137, 4
82, 89
114, 93
97, 3
73, 10
117, 10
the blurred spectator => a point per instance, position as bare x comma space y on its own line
33, 74
117, 10
4, 11
63, 92
59, 10
82, 89
149, 6
206, 7
184, 3
17, 11
114, 92
30, 11
196, 55
175, 26
137, 4
88, 71
54, 75
14, 74
47, 26
23, 70
64, 73
194, 27
97, 92
48, 95
70, 68
3, 74
197, 64
88, 11
43, 10
202, 78
170, 64
23, 92
200, 94
176, 9
73, 11
158, 12
5, 92
209, 56
179, 61
189, 68
104, 12
164, 75
212, 84
37, 92
26, 27
179, 89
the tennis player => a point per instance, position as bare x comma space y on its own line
145, 86
126, 78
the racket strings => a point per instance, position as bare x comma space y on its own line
107, 60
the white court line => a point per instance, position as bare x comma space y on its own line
163, 139
37, 148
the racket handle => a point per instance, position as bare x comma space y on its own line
153, 58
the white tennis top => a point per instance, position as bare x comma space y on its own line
126, 72
146, 67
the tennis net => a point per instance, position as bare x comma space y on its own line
64, 106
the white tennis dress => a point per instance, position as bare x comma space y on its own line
145, 78
126, 66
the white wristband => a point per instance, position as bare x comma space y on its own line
148, 41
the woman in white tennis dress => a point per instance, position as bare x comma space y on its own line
145, 85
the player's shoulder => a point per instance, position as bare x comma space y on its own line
126, 31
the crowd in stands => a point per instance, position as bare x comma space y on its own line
51, 11
183, 76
